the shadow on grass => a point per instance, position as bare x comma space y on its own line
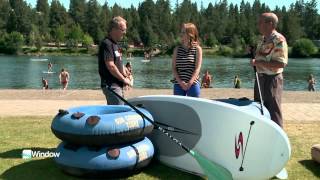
311, 166
17, 153
160, 171
35, 169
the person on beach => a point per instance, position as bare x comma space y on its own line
206, 80
186, 62
311, 83
270, 59
111, 69
236, 82
45, 84
64, 78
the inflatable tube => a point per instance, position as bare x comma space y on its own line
117, 161
100, 125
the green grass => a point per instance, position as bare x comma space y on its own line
18, 133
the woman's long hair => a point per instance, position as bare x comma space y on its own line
192, 32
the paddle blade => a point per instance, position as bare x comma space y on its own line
212, 170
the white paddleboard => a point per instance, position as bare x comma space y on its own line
48, 72
220, 132
38, 60
145, 60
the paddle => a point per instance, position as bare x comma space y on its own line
257, 79
213, 170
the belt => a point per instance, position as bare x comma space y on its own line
268, 75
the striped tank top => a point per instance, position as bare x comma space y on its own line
186, 63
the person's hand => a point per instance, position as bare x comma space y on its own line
184, 85
189, 85
127, 82
253, 62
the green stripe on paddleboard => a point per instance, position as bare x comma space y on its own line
213, 170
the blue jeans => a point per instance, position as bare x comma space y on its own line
193, 91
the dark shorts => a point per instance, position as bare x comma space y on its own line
271, 90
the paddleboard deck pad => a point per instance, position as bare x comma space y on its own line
230, 132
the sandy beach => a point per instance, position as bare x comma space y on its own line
297, 105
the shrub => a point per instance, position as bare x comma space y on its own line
11, 43
303, 48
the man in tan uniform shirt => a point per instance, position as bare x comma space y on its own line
270, 59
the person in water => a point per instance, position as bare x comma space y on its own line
206, 80
237, 82
45, 84
311, 83
64, 78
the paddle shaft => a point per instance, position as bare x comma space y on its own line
151, 121
258, 82
259, 89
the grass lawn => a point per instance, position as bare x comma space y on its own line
18, 133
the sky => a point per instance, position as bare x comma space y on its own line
127, 3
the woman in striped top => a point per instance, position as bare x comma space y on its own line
186, 62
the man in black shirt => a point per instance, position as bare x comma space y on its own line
111, 68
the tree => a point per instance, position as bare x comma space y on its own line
59, 35
5, 9
311, 19
75, 36
92, 21
58, 15
20, 17
11, 43
292, 26
77, 11
105, 17
42, 16
164, 19
116, 10
148, 37
210, 40
87, 41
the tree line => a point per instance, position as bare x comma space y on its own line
152, 23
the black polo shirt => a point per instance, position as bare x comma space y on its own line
109, 50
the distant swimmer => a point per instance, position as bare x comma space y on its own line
45, 84
206, 80
311, 83
50, 67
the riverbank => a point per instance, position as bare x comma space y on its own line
297, 105
216, 51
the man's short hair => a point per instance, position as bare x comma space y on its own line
270, 17
114, 23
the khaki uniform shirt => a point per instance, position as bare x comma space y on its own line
274, 48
